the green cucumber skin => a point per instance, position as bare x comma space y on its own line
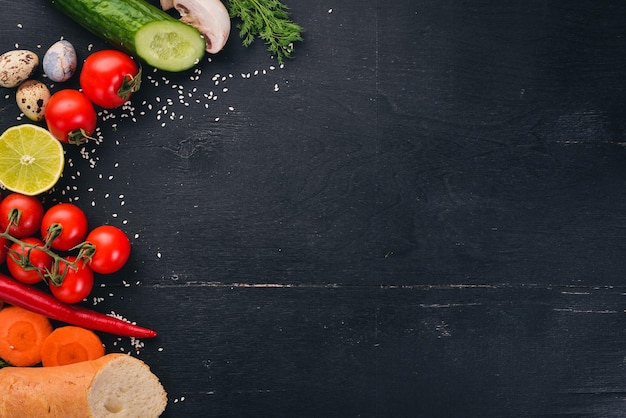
116, 21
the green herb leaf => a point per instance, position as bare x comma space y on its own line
268, 20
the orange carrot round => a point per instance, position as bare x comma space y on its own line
70, 344
22, 334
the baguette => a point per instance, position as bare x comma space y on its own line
116, 385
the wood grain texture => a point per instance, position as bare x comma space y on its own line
422, 214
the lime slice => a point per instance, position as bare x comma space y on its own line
31, 160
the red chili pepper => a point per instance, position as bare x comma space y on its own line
35, 300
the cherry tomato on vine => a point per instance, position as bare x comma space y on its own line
24, 213
4, 244
109, 78
27, 264
4, 248
112, 249
77, 282
67, 223
70, 116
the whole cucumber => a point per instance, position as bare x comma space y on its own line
139, 28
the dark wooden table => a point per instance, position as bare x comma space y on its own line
422, 215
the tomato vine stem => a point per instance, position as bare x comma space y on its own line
52, 274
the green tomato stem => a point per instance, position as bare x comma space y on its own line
52, 275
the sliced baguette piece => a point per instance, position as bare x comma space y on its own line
114, 386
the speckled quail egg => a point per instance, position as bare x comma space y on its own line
59, 62
32, 98
16, 66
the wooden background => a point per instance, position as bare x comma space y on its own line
423, 214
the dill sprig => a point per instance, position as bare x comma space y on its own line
268, 20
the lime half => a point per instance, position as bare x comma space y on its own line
31, 159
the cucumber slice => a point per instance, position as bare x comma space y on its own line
169, 47
140, 29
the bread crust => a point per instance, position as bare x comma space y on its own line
52, 392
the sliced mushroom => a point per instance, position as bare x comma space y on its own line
210, 17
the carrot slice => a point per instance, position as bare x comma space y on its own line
70, 344
22, 334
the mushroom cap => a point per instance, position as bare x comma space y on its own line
210, 17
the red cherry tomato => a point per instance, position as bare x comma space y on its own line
72, 222
112, 249
38, 261
4, 248
77, 283
70, 116
109, 78
27, 211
